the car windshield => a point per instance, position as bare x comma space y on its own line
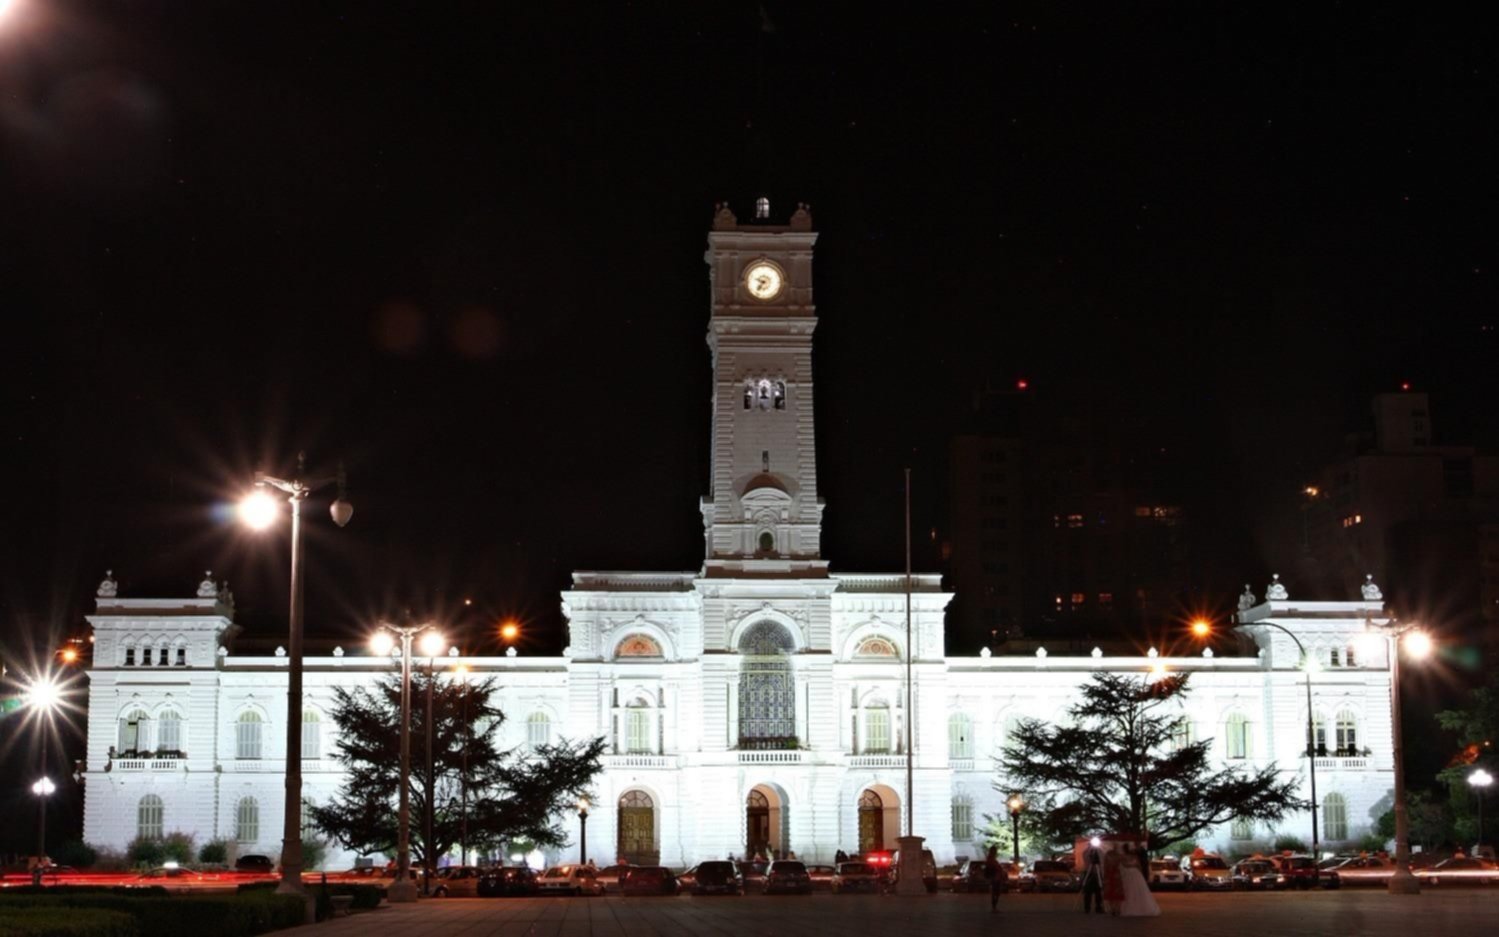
1164, 865
787, 866
855, 868
1209, 863
561, 872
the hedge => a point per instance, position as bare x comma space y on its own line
218, 915
365, 895
66, 922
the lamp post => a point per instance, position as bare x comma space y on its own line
462, 671
582, 831
1480, 780
41, 698
1418, 644
383, 642
432, 645
259, 511
42, 789
1017, 804
1202, 629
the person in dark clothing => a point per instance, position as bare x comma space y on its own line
1093, 877
997, 877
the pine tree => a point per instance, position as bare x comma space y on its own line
515, 794
1120, 766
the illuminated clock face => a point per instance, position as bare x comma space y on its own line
764, 280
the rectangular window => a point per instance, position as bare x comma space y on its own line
312, 738
182, 657
145, 657
169, 733
247, 739
1237, 736
1074, 520
130, 657
877, 732
962, 821
639, 741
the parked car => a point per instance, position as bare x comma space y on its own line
714, 877
515, 881
1167, 873
260, 865
928, 869
752, 875
456, 881
1461, 870
787, 875
609, 876
1302, 872
569, 880
1209, 873
1365, 870
648, 880
1054, 875
855, 876
970, 877
822, 876
1257, 874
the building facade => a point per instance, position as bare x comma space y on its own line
756, 704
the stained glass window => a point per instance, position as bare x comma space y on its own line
638, 645
875, 647
766, 697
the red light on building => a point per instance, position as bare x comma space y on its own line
1405, 385
1022, 384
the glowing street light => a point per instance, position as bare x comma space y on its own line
510, 631
1480, 780
1016, 805
582, 830
383, 642
259, 510
1202, 628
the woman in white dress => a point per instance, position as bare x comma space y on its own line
1138, 901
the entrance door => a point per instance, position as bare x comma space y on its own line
871, 822
637, 828
757, 824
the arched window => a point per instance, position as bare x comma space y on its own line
877, 730
962, 820
638, 731
637, 828
1240, 830
778, 394
875, 647
762, 208
1334, 657
538, 729
1319, 735
1348, 659
1335, 817
312, 734
959, 737
247, 821
1237, 736
146, 655
148, 817
638, 645
767, 542
130, 655
181, 656
247, 736
749, 396
762, 394
166, 658
169, 732
1347, 727
767, 702
132, 732
1009, 729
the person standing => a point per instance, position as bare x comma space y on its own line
995, 873
1093, 877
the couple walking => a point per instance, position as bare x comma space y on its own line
1116, 878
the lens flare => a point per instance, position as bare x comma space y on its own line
258, 510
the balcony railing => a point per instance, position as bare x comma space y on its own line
639, 761
877, 761
961, 764
772, 758
1343, 764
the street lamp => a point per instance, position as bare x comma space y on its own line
259, 510
1418, 645
1480, 780
433, 645
383, 642
1017, 804
582, 831
1202, 630
42, 697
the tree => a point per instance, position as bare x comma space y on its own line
510, 794
1119, 766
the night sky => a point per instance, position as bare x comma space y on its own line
460, 247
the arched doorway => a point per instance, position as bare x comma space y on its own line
879, 818
767, 699
637, 828
871, 822
765, 821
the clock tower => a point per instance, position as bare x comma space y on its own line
762, 515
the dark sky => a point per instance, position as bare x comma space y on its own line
460, 248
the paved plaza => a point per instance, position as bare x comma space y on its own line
1348, 912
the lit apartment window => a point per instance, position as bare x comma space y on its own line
1074, 520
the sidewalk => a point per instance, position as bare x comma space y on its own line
1347, 912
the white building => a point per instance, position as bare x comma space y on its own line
758, 701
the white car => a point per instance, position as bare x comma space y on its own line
456, 881
569, 880
1167, 873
